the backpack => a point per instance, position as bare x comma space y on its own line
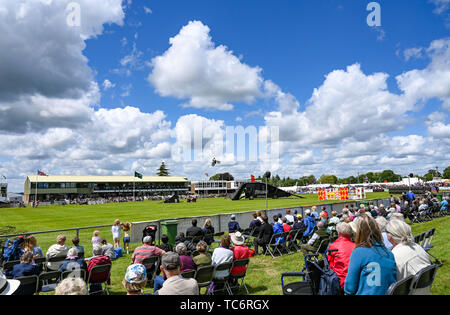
12, 251
329, 283
118, 252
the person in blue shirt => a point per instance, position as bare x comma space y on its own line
444, 204
277, 229
314, 213
26, 267
411, 196
310, 224
372, 268
233, 225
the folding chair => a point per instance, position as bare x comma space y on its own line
204, 277
40, 260
76, 273
190, 274
223, 282
424, 278
273, 245
428, 238
54, 260
8, 265
48, 281
292, 241
322, 247
153, 260
28, 285
238, 277
284, 245
105, 271
402, 287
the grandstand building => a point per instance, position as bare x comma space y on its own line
60, 187
215, 187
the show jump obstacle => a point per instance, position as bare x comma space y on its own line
353, 193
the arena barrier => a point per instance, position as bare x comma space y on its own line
218, 221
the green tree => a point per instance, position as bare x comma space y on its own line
162, 170
224, 176
328, 179
446, 173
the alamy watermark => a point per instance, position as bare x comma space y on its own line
73, 18
374, 18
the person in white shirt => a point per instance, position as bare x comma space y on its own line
410, 257
115, 230
57, 250
289, 217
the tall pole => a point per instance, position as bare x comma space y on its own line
267, 202
134, 187
35, 191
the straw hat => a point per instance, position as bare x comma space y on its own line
237, 238
8, 287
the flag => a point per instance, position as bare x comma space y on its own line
253, 178
41, 173
138, 175
206, 174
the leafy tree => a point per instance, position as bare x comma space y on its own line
162, 170
328, 179
224, 176
446, 173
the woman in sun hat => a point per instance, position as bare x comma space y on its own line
135, 279
240, 251
8, 287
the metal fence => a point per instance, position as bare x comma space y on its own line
218, 221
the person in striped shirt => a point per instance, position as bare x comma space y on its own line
145, 251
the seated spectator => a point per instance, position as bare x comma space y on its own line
445, 204
76, 244
255, 223
96, 239
175, 284
314, 213
221, 255
286, 226
108, 249
30, 244
410, 257
72, 261
295, 216
259, 216
289, 217
339, 260
145, 251
203, 258
233, 225
71, 286
165, 246
372, 267
135, 279
26, 267
186, 261
194, 230
240, 251
299, 225
278, 229
310, 224
264, 235
57, 250
208, 229
181, 239
280, 218
382, 222
323, 217
98, 260
397, 216
314, 242
333, 222
382, 210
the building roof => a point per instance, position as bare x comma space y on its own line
104, 179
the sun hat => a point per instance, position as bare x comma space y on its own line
136, 274
233, 216
299, 216
237, 238
8, 287
307, 211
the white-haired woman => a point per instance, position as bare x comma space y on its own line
187, 263
71, 286
340, 260
410, 257
397, 216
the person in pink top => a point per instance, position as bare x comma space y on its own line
340, 259
240, 251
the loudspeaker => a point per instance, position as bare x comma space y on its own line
267, 175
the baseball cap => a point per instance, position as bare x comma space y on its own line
170, 261
136, 274
8, 287
233, 216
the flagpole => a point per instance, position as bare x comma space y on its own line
35, 197
134, 187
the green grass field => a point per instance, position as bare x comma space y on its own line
263, 277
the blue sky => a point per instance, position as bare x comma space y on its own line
347, 97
